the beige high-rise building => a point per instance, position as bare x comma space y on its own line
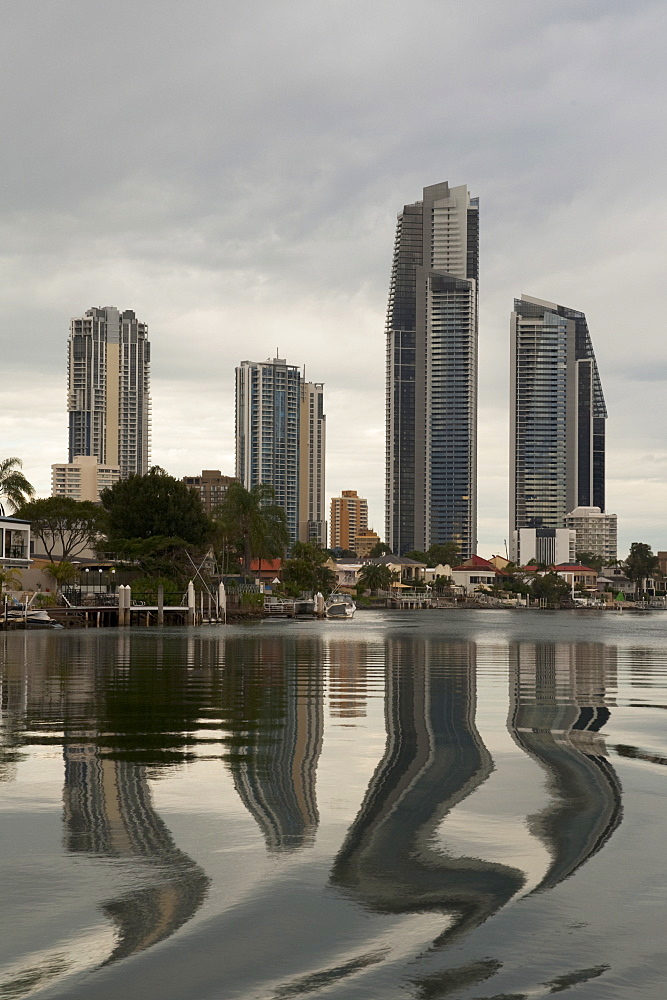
108, 386
312, 443
83, 478
349, 515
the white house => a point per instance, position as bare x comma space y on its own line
14, 542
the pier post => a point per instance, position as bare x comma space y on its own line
191, 603
160, 604
222, 602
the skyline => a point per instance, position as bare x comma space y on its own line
258, 206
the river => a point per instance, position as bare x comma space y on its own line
419, 805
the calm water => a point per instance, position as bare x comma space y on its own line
422, 805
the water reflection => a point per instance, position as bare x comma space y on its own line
434, 758
108, 813
274, 713
126, 709
560, 695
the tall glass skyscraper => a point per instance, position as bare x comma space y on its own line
558, 414
432, 324
280, 440
108, 386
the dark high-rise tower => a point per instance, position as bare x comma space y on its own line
558, 413
431, 472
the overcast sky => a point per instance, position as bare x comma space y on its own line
232, 172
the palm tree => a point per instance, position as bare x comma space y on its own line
60, 573
13, 484
375, 576
249, 519
10, 578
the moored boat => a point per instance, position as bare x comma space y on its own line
339, 606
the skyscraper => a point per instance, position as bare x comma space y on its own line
268, 398
312, 443
431, 462
557, 413
108, 383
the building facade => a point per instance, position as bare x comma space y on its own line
349, 516
268, 401
83, 478
596, 532
557, 416
545, 546
108, 389
211, 486
431, 401
14, 543
312, 447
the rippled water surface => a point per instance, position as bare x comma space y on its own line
420, 805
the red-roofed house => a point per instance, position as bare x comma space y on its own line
476, 573
266, 570
577, 575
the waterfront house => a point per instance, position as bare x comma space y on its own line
14, 543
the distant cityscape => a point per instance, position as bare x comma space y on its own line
557, 414
557, 411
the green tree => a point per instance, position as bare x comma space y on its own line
380, 549
61, 573
306, 568
375, 576
550, 586
641, 563
155, 505
446, 554
252, 522
10, 578
417, 555
14, 486
64, 526
590, 559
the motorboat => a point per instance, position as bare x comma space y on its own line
339, 606
31, 618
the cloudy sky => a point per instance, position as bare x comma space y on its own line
232, 172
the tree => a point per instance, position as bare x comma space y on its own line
641, 563
375, 576
155, 505
306, 568
417, 555
64, 526
446, 554
590, 559
10, 578
380, 549
551, 586
249, 520
60, 573
13, 484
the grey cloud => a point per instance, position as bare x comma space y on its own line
233, 172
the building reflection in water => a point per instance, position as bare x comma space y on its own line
72, 692
108, 813
274, 709
560, 695
348, 678
434, 758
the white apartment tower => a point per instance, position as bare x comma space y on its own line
108, 389
312, 443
